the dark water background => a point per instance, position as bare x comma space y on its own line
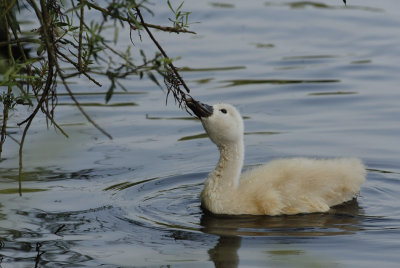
313, 79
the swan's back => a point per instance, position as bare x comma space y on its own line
299, 185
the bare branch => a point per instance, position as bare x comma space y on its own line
162, 28
78, 104
20, 40
173, 79
81, 20
77, 67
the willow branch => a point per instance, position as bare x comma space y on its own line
6, 103
163, 53
20, 40
14, 139
24, 56
158, 27
77, 67
7, 8
164, 28
51, 57
80, 35
63, 79
49, 81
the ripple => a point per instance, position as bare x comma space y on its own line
173, 203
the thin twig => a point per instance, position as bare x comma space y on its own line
43, 97
175, 71
39, 254
7, 8
54, 123
14, 139
49, 81
77, 67
17, 39
59, 229
6, 101
63, 79
20, 40
164, 28
80, 35
159, 27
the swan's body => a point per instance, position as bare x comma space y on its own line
284, 186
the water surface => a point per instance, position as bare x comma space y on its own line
313, 79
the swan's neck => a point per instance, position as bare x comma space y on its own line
229, 167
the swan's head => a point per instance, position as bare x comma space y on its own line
222, 122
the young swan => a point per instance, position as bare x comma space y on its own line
284, 186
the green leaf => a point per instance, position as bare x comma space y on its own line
135, 21
40, 50
122, 86
8, 73
153, 78
180, 6
170, 6
110, 91
116, 32
61, 24
143, 55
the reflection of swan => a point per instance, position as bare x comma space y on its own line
224, 254
281, 230
341, 220
286, 186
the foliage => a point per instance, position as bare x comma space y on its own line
68, 46
181, 20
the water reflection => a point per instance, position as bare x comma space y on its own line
224, 254
341, 220
164, 214
332, 93
171, 206
244, 82
306, 4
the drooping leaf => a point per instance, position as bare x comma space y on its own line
154, 79
110, 90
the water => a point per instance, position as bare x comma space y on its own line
312, 79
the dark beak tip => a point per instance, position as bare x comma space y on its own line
199, 109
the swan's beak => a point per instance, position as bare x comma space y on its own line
199, 109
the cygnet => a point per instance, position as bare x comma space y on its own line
279, 187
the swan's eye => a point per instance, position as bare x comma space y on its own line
223, 111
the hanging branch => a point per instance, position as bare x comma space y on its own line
81, 20
134, 27
83, 49
6, 101
172, 79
